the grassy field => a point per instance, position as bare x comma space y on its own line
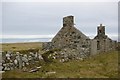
104, 65
20, 46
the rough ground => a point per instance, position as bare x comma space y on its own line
20, 46
104, 65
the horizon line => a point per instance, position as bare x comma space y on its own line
90, 35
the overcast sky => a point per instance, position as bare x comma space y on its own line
45, 18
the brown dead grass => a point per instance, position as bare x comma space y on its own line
20, 46
104, 65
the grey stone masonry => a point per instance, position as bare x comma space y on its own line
104, 43
72, 39
69, 36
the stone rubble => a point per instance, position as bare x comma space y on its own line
11, 61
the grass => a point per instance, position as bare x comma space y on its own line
20, 46
104, 65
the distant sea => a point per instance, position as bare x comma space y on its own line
19, 40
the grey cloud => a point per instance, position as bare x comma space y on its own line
46, 18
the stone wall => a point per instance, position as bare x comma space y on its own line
46, 45
93, 47
74, 41
69, 36
104, 43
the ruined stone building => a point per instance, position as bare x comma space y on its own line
104, 43
72, 39
69, 36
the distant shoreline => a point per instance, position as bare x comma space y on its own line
24, 40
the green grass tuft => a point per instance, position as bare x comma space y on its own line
104, 65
